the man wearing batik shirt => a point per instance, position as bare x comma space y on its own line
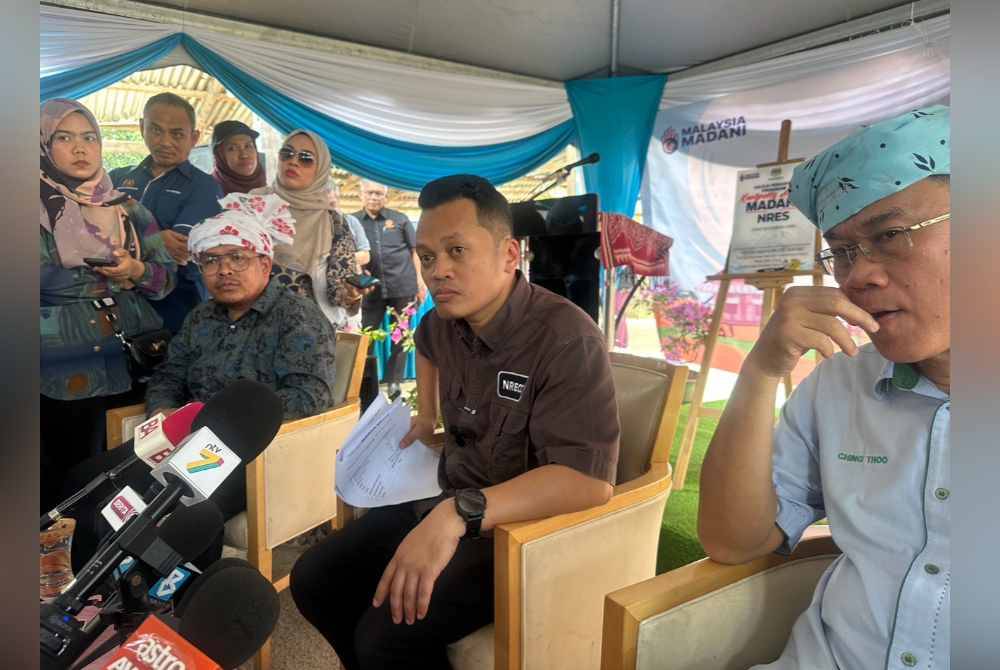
252, 328
863, 441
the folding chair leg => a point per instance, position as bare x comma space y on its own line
345, 514
262, 661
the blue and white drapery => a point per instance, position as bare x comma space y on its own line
394, 123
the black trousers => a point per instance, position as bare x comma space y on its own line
372, 312
334, 582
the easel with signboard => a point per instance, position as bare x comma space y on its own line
773, 285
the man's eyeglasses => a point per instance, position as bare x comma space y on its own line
886, 246
305, 157
238, 261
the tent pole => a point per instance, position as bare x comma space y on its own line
616, 16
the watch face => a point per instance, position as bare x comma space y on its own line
471, 502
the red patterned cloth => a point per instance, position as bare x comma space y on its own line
625, 241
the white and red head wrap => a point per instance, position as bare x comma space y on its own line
254, 222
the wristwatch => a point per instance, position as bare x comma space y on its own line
471, 506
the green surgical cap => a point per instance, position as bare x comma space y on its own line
872, 164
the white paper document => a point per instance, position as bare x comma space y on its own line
372, 471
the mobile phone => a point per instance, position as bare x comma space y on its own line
100, 262
363, 281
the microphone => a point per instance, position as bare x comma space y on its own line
187, 533
147, 446
589, 160
157, 437
245, 416
559, 175
157, 646
229, 612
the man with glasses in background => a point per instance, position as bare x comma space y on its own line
394, 262
863, 441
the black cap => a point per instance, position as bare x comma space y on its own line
227, 129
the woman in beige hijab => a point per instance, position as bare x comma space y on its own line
323, 255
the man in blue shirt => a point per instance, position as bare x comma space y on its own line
863, 441
178, 194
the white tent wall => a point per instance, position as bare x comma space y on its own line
689, 192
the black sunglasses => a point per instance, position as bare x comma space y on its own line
287, 154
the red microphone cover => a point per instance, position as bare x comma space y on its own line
177, 426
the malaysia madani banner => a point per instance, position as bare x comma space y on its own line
691, 181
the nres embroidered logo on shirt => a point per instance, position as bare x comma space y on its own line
862, 458
511, 385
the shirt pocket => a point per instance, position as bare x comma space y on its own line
509, 456
169, 203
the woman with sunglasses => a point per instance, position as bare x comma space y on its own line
323, 254
101, 264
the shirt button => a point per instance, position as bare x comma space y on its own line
931, 569
93, 323
96, 349
232, 327
909, 660
942, 494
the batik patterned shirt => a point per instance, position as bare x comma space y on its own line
283, 341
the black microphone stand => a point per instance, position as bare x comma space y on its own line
110, 476
556, 178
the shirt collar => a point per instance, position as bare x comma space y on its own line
905, 377
262, 305
505, 321
147, 165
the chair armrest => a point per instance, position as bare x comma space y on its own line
627, 608
302, 457
655, 481
531, 556
115, 418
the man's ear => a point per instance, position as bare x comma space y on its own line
512, 254
195, 135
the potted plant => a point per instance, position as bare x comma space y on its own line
400, 331
682, 323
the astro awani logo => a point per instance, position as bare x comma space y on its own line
208, 461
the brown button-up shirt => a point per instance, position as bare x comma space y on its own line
533, 388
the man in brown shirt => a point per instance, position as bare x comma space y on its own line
523, 381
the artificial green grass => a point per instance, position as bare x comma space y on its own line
679, 543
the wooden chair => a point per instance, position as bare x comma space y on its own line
290, 486
710, 615
551, 575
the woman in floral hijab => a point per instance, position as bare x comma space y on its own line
84, 371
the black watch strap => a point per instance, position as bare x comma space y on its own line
471, 506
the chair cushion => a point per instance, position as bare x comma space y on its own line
641, 394
473, 652
235, 533
738, 626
